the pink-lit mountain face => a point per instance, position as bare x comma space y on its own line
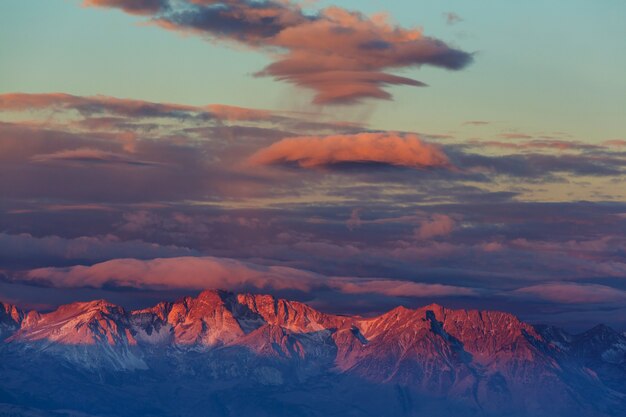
225, 354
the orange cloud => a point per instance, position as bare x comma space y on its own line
381, 148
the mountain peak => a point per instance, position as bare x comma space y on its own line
213, 295
79, 323
10, 312
483, 357
600, 333
10, 319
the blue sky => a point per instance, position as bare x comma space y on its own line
539, 67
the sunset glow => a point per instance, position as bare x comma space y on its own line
274, 177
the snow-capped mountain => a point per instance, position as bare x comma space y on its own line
229, 354
96, 334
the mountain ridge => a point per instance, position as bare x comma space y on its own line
485, 361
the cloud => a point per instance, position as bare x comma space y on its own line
130, 6
63, 164
615, 143
68, 179
531, 165
88, 155
194, 273
93, 105
27, 250
175, 273
573, 293
395, 288
437, 225
134, 117
225, 112
553, 144
343, 56
96, 105
379, 148
354, 221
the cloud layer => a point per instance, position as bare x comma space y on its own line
535, 226
197, 273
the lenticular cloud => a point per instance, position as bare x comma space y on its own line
192, 272
342, 56
378, 148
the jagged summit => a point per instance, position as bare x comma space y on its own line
10, 314
80, 323
190, 318
489, 361
10, 319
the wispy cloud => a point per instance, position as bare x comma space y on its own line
573, 293
88, 155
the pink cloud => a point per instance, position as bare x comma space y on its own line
437, 225
615, 143
382, 148
183, 273
225, 112
396, 288
573, 293
223, 273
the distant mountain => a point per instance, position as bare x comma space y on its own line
10, 319
225, 354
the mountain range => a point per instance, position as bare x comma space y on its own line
227, 354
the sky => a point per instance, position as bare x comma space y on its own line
352, 155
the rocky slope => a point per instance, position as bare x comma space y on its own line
232, 354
